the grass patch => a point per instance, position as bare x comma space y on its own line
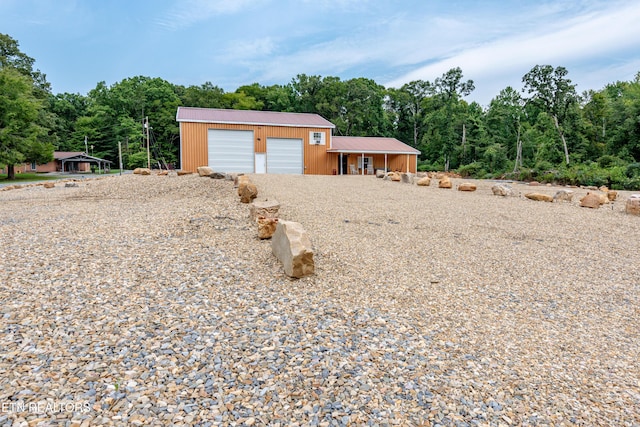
28, 177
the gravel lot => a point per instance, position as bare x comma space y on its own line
149, 300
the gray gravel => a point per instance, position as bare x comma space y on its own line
149, 300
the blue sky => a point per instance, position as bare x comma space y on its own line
78, 43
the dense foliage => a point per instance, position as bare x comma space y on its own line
547, 132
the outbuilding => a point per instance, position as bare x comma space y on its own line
247, 141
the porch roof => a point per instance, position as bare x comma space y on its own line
369, 144
73, 156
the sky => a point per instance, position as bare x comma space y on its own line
230, 43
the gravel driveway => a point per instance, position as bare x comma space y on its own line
149, 300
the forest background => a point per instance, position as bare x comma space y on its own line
546, 132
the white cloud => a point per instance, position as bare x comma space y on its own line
190, 12
590, 37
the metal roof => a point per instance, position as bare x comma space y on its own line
369, 144
251, 117
59, 155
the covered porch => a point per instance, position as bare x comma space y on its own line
75, 162
363, 155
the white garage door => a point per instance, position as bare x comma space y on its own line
231, 150
284, 155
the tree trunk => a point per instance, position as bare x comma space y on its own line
564, 141
11, 172
464, 142
518, 152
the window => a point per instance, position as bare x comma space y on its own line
33, 166
316, 138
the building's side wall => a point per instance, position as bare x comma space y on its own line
48, 167
194, 152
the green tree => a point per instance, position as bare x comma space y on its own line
553, 93
19, 132
446, 116
406, 108
504, 123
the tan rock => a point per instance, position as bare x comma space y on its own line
163, 173
445, 182
612, 195
395, 176
239, 179
467, 186
539, 197
424, 181
181, 173
204, 170
591, 200
502, 190
632, 206
534, 183
407, 177
266, 227
292, 246
563, 195
263, 208
247, 192
49, 185
142, 171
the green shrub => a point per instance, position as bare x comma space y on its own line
138, 160
633, 170
471, 170
631, 184
608, 161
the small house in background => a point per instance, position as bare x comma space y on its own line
246, 141
65, 161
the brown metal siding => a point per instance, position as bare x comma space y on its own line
194, 150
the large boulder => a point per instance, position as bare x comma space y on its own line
502, 190
393, 176
407, 177
204, 170
425, 181
247, 192
292, 246
445, 182
563, 195
266, 227
264, 208
591, 200
467, 186
633, 205
539, 197
239, 179
142, 171
612, 195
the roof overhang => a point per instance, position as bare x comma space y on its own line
84, 158
229, 122
337, 150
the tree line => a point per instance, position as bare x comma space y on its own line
547, 131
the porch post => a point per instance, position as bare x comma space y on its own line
407, 163
385, 163
362, 164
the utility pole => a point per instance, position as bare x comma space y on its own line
120, 155
86, 148
146, 125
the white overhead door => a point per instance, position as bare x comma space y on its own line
231, 150
284, 155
